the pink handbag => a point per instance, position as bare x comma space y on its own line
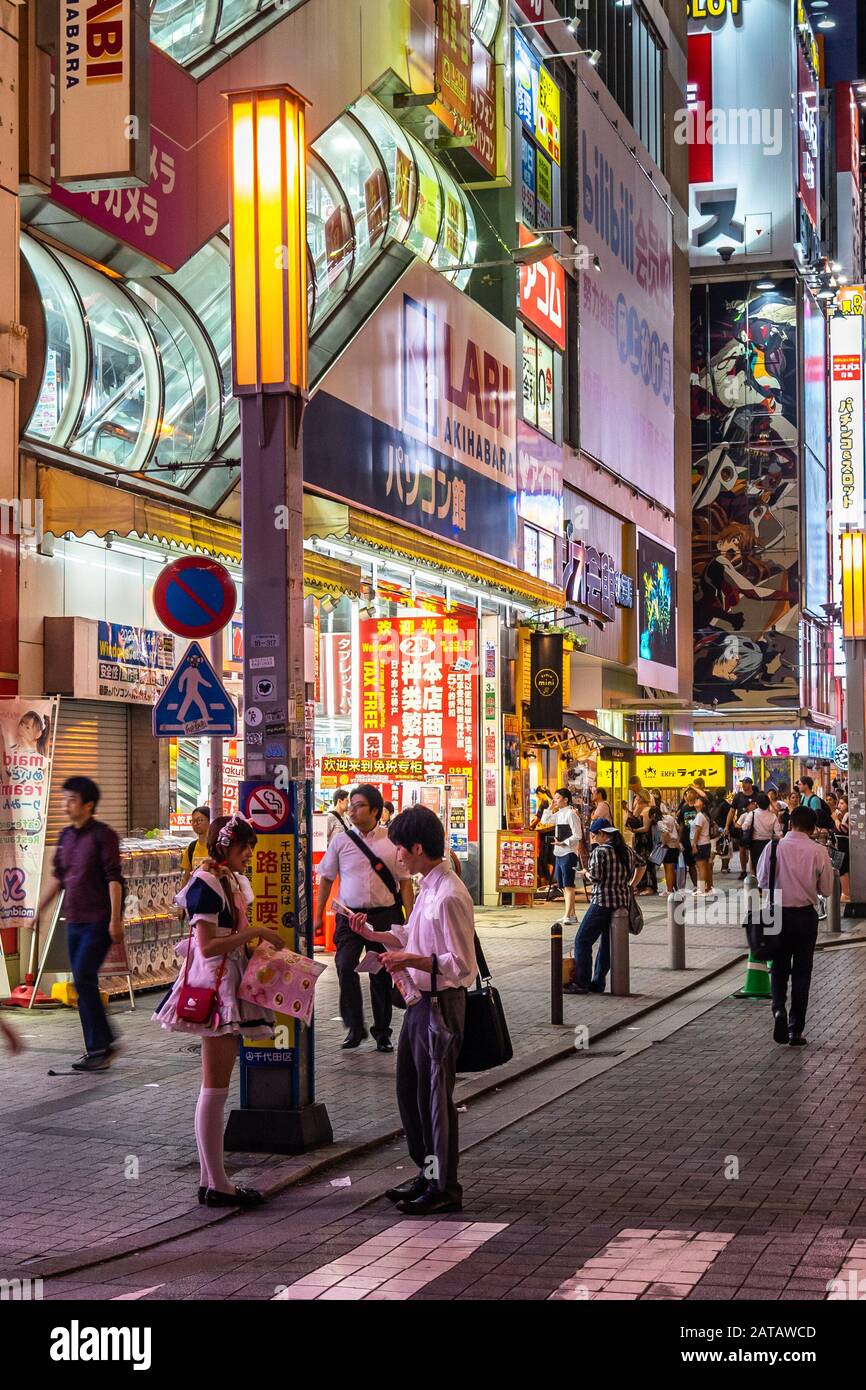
282, 981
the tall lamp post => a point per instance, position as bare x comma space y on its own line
267, 170
854, 633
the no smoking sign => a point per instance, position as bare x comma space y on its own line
267, 808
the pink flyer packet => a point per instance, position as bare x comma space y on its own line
281, 980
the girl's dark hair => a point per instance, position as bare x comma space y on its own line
200, 811
565, 794
620, 849
243, 834
763, 801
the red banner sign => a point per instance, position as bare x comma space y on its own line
542, 295
484, 107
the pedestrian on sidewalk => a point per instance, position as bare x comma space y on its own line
567, 847
196, 851
601, 806
335, 821
87, 869
792, 801
759, 826
741, 801
666, 832
217, 901
803, 871
686, 812
372, 883
700, 832
640, 821
614, 872
442, 925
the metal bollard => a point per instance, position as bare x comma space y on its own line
834, 904
677, 931
556, 972
619, 945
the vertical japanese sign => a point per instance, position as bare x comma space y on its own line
484, 107
27, 732
846, 423
103, 132
454, 58
490, 756
807, 137
418, 699
547, 114
542, 295
274, 877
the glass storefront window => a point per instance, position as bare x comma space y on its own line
470, 247
485, 20
351, 156
203, 284
123, 403
66, 359
330, 237
395, 147
427, 221
189, 426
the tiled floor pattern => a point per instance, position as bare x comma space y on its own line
396, 1263
645, 1264
850, 1282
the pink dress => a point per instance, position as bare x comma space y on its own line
204, 898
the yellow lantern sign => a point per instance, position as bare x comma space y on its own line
853, 585
268, 240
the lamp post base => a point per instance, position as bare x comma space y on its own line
279, 1131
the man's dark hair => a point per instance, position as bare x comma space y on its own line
84, 787
372, 796
763, 801
388, 806
564, 792
200, 811
747, 782
602, 792
418, 825
808, 782
341, 794
804, 818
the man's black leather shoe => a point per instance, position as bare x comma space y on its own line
384, 1045
354, 1039
408, 1191
796, 1040
780, 1027
431, 1203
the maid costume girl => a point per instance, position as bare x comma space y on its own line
205, 899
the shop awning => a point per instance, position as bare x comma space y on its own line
583, 727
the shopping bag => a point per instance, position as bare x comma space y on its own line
281, 980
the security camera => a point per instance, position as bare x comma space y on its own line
726, 252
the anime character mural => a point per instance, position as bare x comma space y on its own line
745, 498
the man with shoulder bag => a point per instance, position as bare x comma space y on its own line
371, 882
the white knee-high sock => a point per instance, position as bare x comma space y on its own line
209, 1125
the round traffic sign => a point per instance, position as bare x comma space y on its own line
267, 808
194, 596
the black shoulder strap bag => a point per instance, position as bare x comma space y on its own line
759, 920
486, 1041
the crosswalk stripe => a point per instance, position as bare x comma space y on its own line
645, 1264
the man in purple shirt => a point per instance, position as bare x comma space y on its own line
87, 869
803, 871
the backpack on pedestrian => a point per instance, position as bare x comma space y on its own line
823, 814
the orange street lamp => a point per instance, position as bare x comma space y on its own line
854, 585
268, 240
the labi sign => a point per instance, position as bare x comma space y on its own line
545, 700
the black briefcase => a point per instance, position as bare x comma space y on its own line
486, 1041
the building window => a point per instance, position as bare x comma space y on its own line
538, 383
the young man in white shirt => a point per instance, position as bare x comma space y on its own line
384, 897
803, 870
442, 924
567, 847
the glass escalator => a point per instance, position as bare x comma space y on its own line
137, 373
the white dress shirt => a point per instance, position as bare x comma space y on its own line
568, 817
766, 824
803, 870
360, 885
442, 924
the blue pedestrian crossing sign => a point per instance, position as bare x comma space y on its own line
195, 703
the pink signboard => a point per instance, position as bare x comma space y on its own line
626, 311
161, 221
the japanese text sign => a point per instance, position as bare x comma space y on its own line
680, 769
102, 69
542, 295
454, 57
484, 107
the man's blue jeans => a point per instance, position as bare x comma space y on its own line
88, 947
596, 923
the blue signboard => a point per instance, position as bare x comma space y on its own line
194, 704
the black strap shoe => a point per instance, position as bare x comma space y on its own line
202, 1194
354, 1039
241, 1197
408, 1191
431, 1203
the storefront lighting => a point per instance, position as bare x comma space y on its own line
854, 585
826, 23
268, 240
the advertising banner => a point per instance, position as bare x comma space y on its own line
484, 108
159, 219
657, 614
416, 420
454, 57
807, 137
846, 423
659, 770
541, 300
626, 312
134, 663
103, 136
849, 206
545, 681
739, 127
540, 475
27, 730
419, 696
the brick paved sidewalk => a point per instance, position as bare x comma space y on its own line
87, 1160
